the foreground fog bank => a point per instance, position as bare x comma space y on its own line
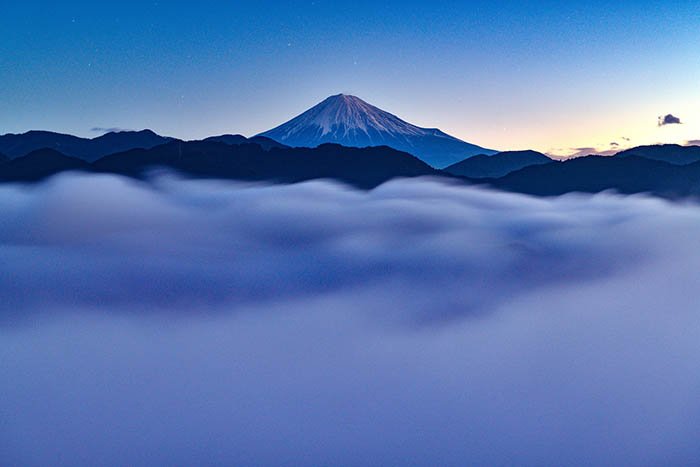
191, 322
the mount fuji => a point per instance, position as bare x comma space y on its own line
350, 121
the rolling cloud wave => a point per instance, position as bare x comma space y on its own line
419, 323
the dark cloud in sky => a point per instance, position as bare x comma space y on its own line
669, 120
195, 322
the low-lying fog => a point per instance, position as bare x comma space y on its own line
199, 322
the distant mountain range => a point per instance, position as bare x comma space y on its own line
40, 164
350, 121
361, 167
254, 160
671, 153
497, 165
87, 149
624, 174
13, 146
376, 146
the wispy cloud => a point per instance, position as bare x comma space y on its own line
98, 129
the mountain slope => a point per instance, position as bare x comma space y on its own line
671, 153
87, 149
498, 165
350, 121
3, 158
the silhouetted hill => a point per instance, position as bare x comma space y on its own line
3, 158
498, 165
197, 158
671, 153
111, 143
362, 167
87, 149
594, 174
40, 164
237, 140
20, 145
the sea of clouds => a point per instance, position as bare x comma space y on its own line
422, 323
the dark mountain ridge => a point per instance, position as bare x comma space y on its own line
361, 167
594, 174
90, 150
261, 159
40, 164
497, 165
671, 153
18, 145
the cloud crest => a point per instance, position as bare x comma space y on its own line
204, 322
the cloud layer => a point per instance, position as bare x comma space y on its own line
421, 323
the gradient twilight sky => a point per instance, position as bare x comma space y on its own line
549, 75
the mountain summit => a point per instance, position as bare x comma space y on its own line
350, 121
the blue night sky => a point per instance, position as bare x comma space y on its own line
552, 76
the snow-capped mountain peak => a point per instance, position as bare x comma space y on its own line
350, 121
346, 113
